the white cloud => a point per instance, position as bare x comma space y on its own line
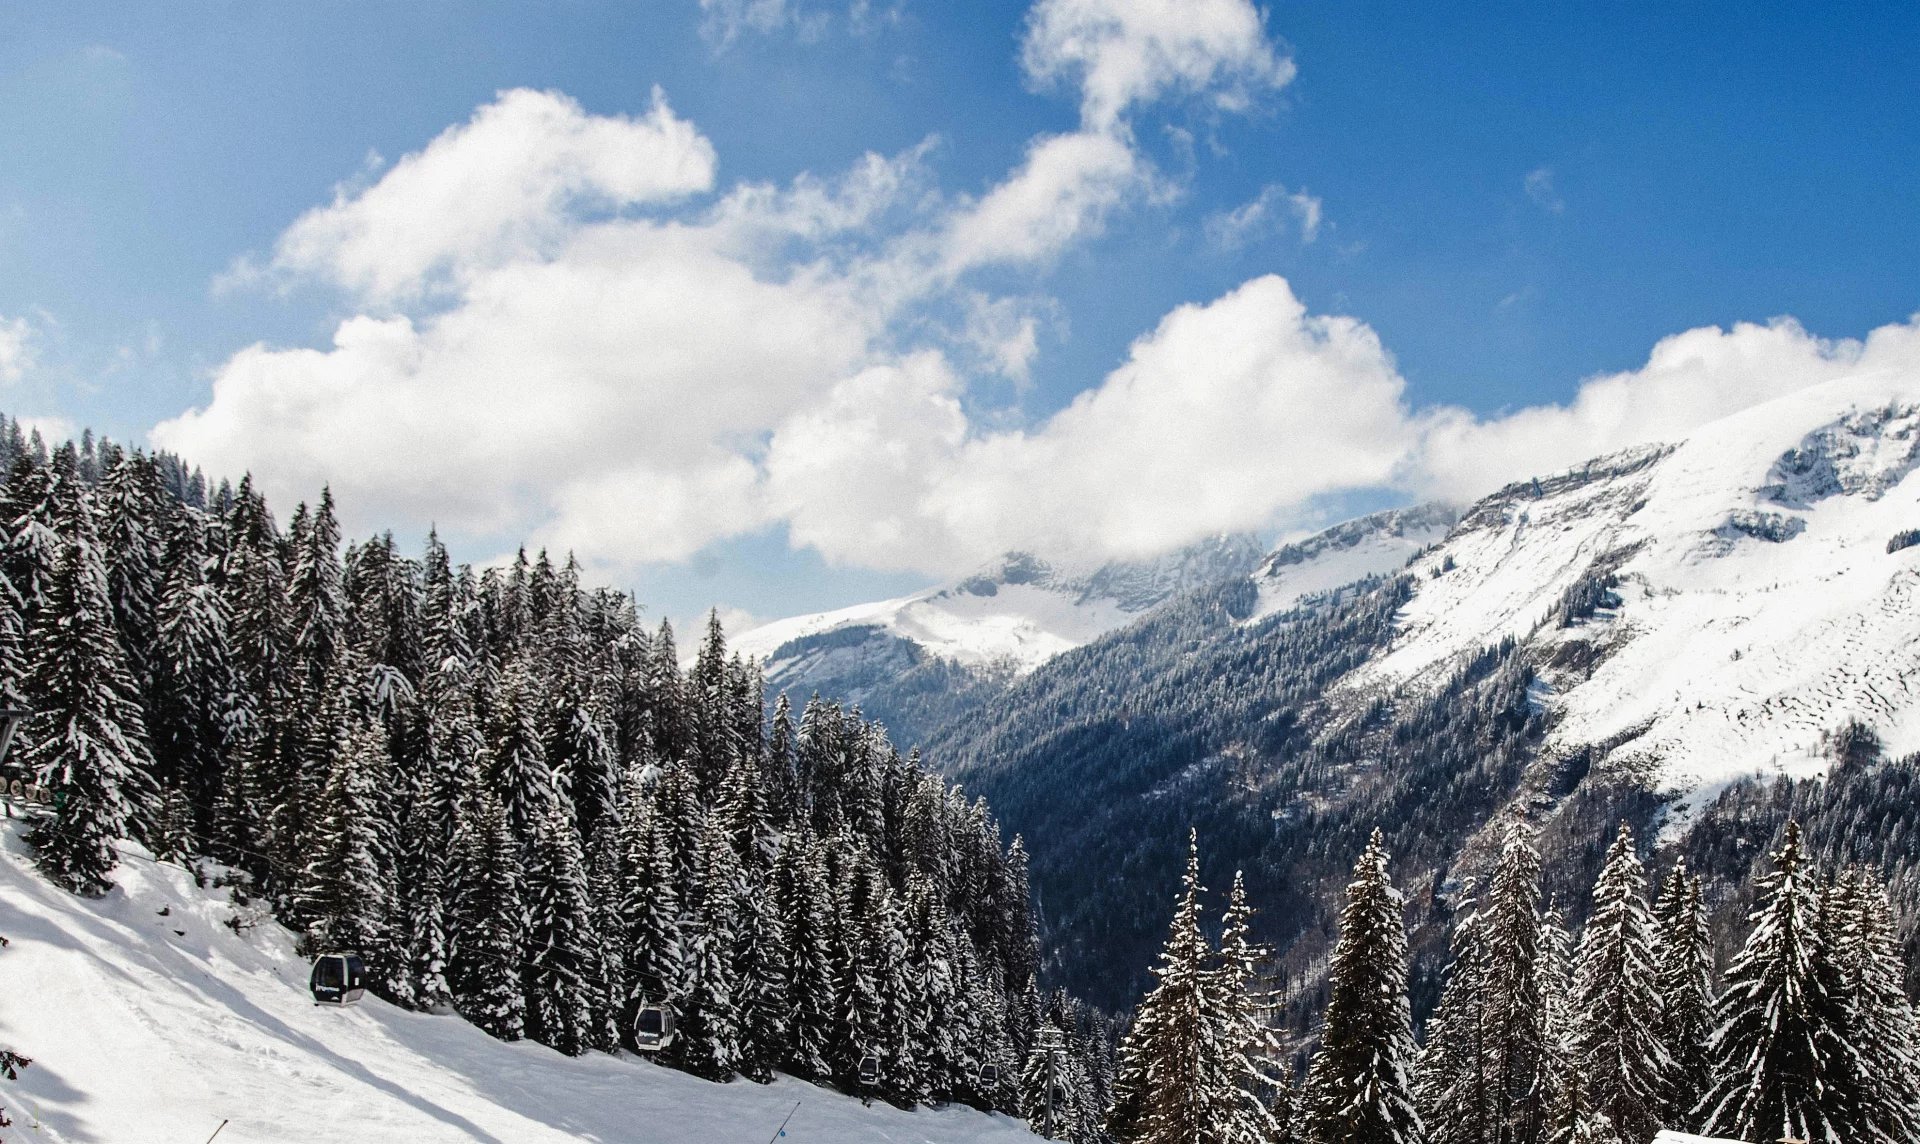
1264, 214
1688, 380
1539, 187
561, 336
16, 349
724, 20
1128, 52
1063, 192
500, 187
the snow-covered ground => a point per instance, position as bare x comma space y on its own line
150, 1022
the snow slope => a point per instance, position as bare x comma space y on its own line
1017, 612
1756, 606
151, 1026
1369, 546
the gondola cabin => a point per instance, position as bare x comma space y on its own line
338, 979
870, 1069
989, 1076
653, 1028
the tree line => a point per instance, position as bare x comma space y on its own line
1542, 1037
507, 795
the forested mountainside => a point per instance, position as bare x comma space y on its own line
503, 791
917, 662
1644, 637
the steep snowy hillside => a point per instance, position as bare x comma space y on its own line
1370, 546
1753, 600
149, 1020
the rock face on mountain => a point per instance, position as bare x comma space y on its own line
1644, 636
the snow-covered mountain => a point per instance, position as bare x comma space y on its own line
149, 1019
1749, 593
908, 661
1013, 614
1626, 639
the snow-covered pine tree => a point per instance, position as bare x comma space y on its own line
1782, 1066
800, 897
1452, 1086
1180, 1081
489, 920
87, 739
606, 881
1685, 987
345, 890
31, 543
133, 531
524, 778
560, 955
653, 958
1882, 1029
196, 699
1616, 999
1357, 1090
760, 971
1252, 1048
708, 1043
1516, 1037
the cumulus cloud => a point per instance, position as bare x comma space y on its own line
564, 333
1122, 53
1688, 380
16, 349
1264, 214
495, 189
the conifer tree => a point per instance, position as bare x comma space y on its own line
1882, 1029
1452, 1081
800, 897
344, 890
196, 701
1782, 1066
1179, 1078
87, 739
708, 1043
489, 920
1685, 987
653, 958
1357, 1090
560, 957
1249, 1040
1616, 1001
1516, 1036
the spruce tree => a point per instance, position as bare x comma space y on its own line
1516, 1036
1782, 1066
560, 957
1251, 1046
801, 900
1357, 1090
87, 739
344, 890
489, 921
708, 1043
1616, 1000
1685, 987
1452, 1086
1882, 1029
1179, 1079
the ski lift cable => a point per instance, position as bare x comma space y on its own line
782, 1130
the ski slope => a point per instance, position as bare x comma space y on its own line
150, 1022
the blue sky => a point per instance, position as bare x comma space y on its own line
1317, 256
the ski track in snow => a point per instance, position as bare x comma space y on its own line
141, 1035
